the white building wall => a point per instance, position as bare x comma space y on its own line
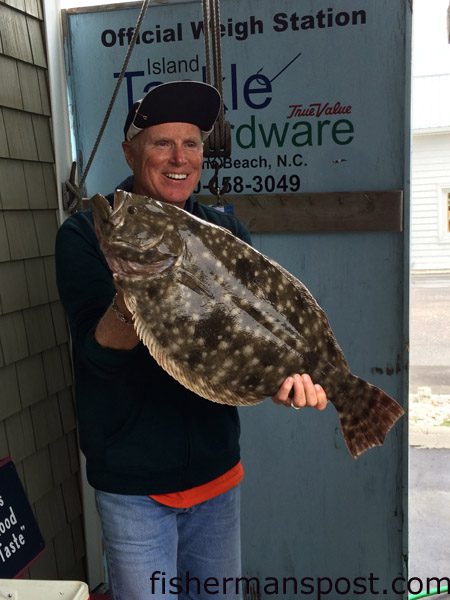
430, 240
431, 101
430, 165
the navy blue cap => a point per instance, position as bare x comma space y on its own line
175, 102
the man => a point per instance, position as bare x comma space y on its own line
164, 462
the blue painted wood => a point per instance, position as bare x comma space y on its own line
309, 509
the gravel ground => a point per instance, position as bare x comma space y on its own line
429, 419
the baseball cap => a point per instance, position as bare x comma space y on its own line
175, 102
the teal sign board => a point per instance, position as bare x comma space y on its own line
318, 96
305, 88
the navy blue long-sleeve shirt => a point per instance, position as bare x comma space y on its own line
140, 430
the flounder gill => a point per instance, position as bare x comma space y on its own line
224, 320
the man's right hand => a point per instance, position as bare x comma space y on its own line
114, 332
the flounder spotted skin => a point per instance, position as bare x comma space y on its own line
224, 320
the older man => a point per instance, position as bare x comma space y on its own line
164, 462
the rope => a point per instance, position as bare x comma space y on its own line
211, 21
211, 10
116, 91
216, 45
219, 142
206, 21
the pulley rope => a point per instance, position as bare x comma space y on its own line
116, 90
218, 144
211, 21
206, 33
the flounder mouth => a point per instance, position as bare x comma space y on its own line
101, 207
101, 211
128, 268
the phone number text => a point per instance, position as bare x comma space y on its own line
257, 184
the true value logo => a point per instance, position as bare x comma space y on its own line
20, 538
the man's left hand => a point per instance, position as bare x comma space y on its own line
299, 391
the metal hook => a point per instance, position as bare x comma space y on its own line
213, 185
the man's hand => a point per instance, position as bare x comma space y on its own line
299, 391
112, 331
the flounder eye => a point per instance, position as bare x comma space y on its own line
132, 210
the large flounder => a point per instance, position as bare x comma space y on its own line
226, 321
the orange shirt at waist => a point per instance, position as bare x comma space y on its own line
206, 491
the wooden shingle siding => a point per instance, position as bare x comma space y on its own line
72, 500
38, 473
20, 435
36, 281
3, 440
54, 370
13, 286
30, 88
13, 337
10, 94
13, 191
34, 8
15, 38
51, 513
67, 412
23, 285
20, 136
64, 551
60, 460
19, 4
9, 385
43, 91
36, 36
39, 328
46, 422
66, 363
59, 323
21, 234
46, 226
78, 537
4, 246
30, 375
4, 151
37, 416
50, 276
45, 566
43, 136
72, 444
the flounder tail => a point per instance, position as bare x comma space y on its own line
365, 420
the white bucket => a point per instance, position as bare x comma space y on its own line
32, 589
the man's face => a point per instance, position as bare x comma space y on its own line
166, 161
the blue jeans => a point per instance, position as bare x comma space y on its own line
157, 552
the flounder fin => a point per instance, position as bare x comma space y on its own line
372, 415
